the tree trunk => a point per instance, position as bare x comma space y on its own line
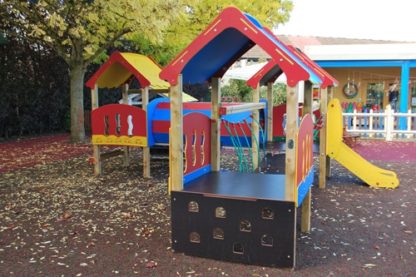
77, 103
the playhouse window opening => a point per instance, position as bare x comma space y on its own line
194, 237
220, 212
218, 233
267, 213
238, 248
267, 240
193, 207
245, 226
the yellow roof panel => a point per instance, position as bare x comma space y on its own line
121, 66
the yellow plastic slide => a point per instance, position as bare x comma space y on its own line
336, 149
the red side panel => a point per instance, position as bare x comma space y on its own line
278, 113
119, 120
304, 154
197, 143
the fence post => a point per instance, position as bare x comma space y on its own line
370, 124
388, 123
409, 123
354, 120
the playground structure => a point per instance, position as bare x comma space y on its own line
122, 124
129, 126
242, 217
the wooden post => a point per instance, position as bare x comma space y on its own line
328, 159
292, 112
270, 112
305, 224
146, 150
95, 148
125, 95
176, 137
322, 140
216, 124
291, 132
255, 138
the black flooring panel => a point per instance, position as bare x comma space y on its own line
239, 185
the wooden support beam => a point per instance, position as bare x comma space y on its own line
146, 150
96, 148
255, 137
322, 140
270, 112
305, 224
239, 108
328, 159
216, 124
125, 96
176, 137
291, 133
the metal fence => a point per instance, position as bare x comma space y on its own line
386, 124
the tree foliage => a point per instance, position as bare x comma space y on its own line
34, 89
80, 31
198, 14
237, 90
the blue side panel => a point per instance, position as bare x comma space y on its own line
226, 141
237, 117
161, 138
217, 53
162, 114
151, 108
196, 174
305, 185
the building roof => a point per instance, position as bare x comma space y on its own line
225, 40
398, 51
120, 67
303, 41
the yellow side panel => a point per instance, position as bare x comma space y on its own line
119, 141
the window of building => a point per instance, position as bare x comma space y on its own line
375, 95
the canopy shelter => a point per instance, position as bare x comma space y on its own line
120, 67
206, 59
118, 71
225, 40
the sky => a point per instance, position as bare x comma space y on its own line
371, 19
